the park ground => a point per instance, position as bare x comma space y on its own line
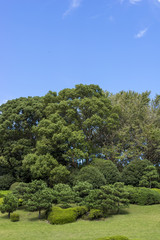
139, 222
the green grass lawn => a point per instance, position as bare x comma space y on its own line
141, 222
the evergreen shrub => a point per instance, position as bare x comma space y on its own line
14, 217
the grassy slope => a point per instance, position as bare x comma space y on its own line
142, 222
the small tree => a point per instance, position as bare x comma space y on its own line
10, 204
108, 198
38, 196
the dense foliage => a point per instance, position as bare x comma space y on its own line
81, 134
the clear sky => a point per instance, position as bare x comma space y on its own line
55, 44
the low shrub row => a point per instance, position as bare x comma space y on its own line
62, 216
143, 196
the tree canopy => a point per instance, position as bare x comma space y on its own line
50, 137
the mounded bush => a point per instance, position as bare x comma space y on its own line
95, 214
62, 216
80, 210
14, 217
143, 196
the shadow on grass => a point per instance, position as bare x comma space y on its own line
123, 212
5, 216
33, 219
36, 218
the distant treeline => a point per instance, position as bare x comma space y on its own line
57, 136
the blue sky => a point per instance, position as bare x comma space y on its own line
55, 44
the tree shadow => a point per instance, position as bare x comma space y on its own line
5, 216
123, 212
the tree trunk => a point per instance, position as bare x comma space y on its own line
9, 215
39, 214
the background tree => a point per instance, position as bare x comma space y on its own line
108, 169
133, 173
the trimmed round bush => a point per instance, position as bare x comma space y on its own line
95, 214
14, 217
62, 216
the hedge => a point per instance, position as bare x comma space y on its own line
62, 216
143, 196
